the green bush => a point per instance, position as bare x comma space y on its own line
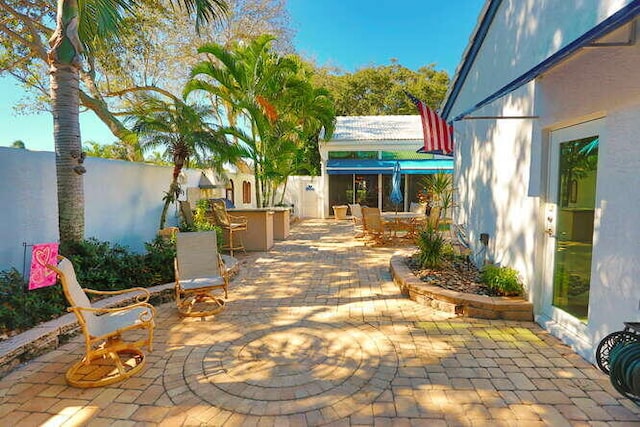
98, 265
103, 266
502, 280
201, 223
431, 247
21, 308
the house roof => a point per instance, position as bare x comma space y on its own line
625, 14
377, 128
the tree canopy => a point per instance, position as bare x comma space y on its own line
380, 90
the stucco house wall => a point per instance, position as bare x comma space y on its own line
492, 179
522, 35
598, 83
502, 162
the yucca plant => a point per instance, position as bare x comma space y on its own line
431, 247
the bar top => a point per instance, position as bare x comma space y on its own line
251, 210
272, 209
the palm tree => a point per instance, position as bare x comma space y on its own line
185, 135
280, 107
79, 26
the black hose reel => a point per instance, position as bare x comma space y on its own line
618, 355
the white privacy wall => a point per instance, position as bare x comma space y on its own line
522, 35
29, 202
123, 201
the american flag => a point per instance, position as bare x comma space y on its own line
438, 135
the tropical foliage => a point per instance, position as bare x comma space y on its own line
271, 107
432, 247
184, 133
437, 190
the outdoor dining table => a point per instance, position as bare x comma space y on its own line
403, 221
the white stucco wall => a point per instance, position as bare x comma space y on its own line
603, 82
123, 201
502, 169
522, 35
492, 178
29, 211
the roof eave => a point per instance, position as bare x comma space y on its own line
476, 40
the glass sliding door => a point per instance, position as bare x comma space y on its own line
574, 170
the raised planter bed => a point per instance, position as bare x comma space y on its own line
458, 303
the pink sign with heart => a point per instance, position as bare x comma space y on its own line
41, 255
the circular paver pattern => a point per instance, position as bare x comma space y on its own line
293, 368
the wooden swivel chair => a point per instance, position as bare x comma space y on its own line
356, 215
374, 228
200, 273
231, 224
108, 358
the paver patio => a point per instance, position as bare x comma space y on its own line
315, 332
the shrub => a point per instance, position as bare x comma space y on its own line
431, 246
502, 280
21, 308
103, 266
201, 223
98, 265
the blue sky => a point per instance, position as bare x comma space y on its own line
348, 34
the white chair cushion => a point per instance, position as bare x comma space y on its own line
201, 282
110, 322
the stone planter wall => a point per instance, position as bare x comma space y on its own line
458, 303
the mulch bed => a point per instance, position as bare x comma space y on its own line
455, 275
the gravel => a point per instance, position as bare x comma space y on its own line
454, 275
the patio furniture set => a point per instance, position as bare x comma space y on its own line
392, 227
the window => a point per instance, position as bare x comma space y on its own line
246, 192
230, 193
353, 155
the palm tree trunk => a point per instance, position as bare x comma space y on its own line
169, 198
64, 63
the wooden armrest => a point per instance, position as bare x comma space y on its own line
240, 219
99, 311
143, 297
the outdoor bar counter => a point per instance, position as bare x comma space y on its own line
281, 222
259, 234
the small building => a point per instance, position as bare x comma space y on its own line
546, 106
357, 163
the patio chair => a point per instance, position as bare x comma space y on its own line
231, 224
200, 272
419, 208
374, 228
356, 216
168, 233
108, 358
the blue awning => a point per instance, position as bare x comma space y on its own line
367, 166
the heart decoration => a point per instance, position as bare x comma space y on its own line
41, 255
